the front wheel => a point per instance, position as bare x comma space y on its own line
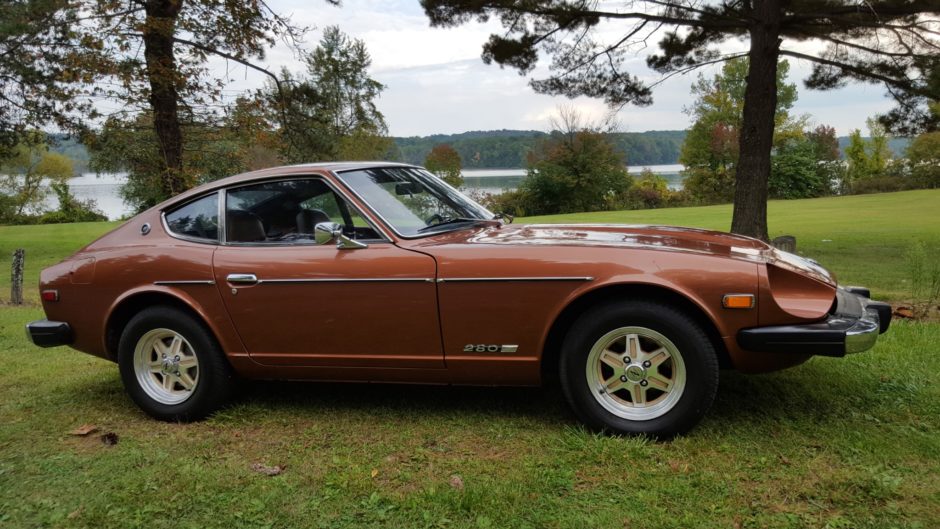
172, 366
639, 368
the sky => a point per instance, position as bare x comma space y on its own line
436, 82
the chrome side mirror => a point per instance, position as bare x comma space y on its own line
325, 232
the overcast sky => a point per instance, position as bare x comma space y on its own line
437, 83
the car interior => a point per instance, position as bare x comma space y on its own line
288, 212
282, 212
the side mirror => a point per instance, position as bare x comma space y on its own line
325, 232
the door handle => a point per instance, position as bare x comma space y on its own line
243, 279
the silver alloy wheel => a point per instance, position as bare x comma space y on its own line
166, 366
635, 373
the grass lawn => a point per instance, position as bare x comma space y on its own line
44, 245
837, 443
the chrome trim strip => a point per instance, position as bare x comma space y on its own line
173, 207
505, 279
185, 282
350, 280
222, 198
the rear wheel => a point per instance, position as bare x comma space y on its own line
172, 366
639, 368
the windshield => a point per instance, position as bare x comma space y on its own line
413, 201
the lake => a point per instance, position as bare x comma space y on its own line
105, 189
496, 181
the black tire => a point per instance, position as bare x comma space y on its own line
215, 381
697, 358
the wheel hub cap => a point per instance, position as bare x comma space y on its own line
169, 366
635, 373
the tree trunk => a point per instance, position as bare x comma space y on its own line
158, 32
757, 124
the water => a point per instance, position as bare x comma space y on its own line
105, 188
496, 181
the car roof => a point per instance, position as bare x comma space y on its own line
275, 172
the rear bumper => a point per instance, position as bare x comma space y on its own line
45, 333
853, 327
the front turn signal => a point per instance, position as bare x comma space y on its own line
738, 301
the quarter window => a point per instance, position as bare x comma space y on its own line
199, 219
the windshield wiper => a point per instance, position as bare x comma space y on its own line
449, 220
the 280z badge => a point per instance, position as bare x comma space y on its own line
489, 348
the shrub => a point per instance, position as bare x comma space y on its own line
651, 191
574, 171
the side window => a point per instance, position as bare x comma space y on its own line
198, 219
286, 212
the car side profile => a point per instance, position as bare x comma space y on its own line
381, 272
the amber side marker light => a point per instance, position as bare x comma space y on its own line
50, 295
738, 301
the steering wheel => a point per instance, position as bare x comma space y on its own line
435, 217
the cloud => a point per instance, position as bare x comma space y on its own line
437, 83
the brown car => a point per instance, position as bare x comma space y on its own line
382, 272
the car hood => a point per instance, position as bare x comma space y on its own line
643, 237
664, 238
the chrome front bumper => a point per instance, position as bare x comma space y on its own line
852, 327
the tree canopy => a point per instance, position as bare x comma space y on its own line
335, 100
445, 162
40, 48
890, 42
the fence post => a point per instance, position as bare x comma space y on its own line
16, 279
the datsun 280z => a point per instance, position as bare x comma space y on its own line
380, 272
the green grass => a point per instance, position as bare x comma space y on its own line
834, 443
861, 238
837, 443
45, 245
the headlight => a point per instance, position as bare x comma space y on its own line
802, 265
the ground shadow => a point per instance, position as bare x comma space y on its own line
742, 399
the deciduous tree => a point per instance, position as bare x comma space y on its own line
445, 162
575, 169
711, 150
923, 154
26, 170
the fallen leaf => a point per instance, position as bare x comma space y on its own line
276, 470
110, 438
456, 482
904, 312
84, 430
375, 472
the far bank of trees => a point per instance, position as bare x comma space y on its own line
567, 170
